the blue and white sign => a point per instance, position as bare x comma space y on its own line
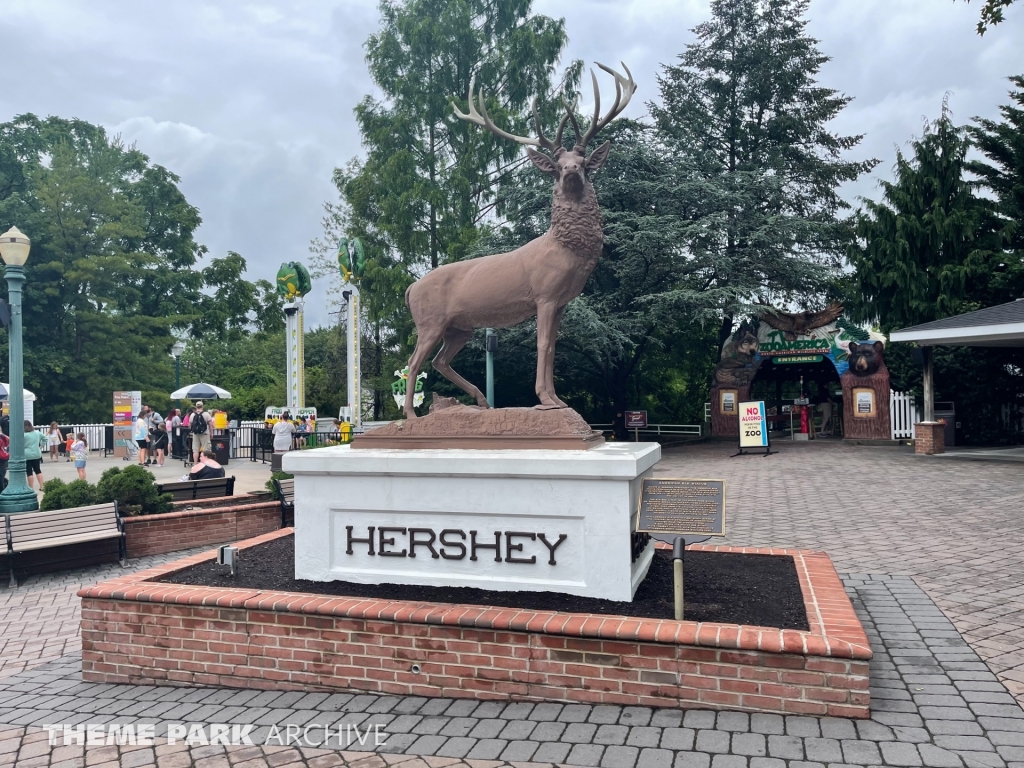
753, 425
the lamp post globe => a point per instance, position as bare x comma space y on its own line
17, 496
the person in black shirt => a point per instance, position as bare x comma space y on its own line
206, 467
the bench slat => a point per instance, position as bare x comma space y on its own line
59, 541
42, 528
58, 530
64, 513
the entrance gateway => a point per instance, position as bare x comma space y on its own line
821, 347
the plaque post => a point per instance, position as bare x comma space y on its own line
678, 547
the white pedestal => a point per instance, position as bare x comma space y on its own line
427, 509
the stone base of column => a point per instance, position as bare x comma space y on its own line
929, 437
14, 500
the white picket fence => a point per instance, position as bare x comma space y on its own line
94, 433
902, 414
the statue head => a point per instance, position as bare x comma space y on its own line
571, 169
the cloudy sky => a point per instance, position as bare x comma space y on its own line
251, 103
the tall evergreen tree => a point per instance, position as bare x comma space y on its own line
1002, 173
743, 110
925, 251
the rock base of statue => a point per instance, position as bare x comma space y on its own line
453, 425
539, 520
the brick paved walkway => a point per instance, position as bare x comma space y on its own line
936, 705
957, 529
39, 619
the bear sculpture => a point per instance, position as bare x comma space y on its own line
866, 359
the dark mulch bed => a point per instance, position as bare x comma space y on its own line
760, 590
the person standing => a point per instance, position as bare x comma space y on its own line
80, 454
158, 438
174, 430
53, 440
826, 405
5, 457
283, 432
34, 444
199, 427
141, 435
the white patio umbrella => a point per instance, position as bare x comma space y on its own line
4, 390
200, 391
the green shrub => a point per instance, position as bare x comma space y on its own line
270, 483
134, 489
60, 495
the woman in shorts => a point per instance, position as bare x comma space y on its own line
34, 443
53, 440
80, 453
141, 435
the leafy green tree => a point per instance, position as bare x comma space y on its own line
426, 189
992, 13
111, 278
744, 111
427, 180
926, 250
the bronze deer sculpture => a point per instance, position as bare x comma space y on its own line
541, 277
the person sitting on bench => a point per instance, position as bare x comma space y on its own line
206, 468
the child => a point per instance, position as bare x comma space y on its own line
67, 447
80, 452
53, 440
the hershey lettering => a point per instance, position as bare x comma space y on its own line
452, 544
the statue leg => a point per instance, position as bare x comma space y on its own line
454, 341
549, 365
547, 316
425, 343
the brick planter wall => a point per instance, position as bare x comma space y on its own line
157, 534
135, 630
929, 437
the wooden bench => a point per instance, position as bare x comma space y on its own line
189, 490
68, 538
286, 492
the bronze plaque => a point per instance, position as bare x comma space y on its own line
678, 507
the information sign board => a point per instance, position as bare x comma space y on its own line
126, 406
753, 425
671, 506
636, 419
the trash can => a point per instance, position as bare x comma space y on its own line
221, 448
947, 410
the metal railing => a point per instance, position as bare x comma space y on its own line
99, 437
657, 429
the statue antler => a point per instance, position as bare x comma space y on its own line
479, 116
624, 87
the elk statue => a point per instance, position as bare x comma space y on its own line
540, 278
